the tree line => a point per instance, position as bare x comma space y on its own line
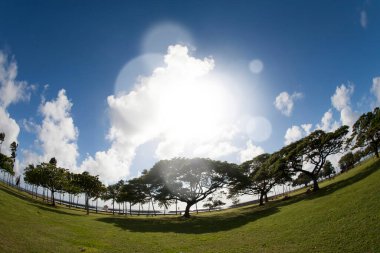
200, 179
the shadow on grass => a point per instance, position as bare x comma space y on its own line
346, 182
33, 202
227, 221
18, 194
193, 225
54, 210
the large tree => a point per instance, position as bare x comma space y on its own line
112, 192
186, 180
366, 131
309, 154
90, 186
257, 176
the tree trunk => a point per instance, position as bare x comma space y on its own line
261, 203
130, 208
52, 198
266, 197
154, 211
315, 184
376, 151
96, 206
187, 210
87, 206
113, 207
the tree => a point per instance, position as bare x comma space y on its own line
186, 180
366, 131
347, 162
256, 176
2, 138
6, 164
302, 179
53, 177
112, 192
313, 151
213, 203
328, 169
90, 186
134, 192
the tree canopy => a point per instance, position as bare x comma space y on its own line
366, 131
309, 154
186, 180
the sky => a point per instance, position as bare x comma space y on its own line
111, 88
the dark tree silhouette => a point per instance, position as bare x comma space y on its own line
2, 138
328, 169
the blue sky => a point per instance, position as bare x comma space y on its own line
308, 50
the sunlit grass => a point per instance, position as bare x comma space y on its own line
343, 217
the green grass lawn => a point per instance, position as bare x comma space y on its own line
344, 216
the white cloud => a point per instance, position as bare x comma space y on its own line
285, 102
363, 19
328, 123
11, 91
250, 152
296, 132
10, 128
183, 106
341, 100
56, 136
375, 89
307, 128
342, 96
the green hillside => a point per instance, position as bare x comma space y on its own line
344, 216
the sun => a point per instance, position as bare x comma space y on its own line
194, 110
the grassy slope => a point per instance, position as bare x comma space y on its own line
343, 217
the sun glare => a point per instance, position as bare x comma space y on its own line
194, 110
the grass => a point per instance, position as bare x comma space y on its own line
344, 216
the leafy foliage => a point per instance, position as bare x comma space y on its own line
186, 180
314, 150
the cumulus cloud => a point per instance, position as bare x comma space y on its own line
328, 123
250, 152
375, 89
285, 102
11, 91
342, 96
57, 135
297, 132
172, 107
341, 100
11, 129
